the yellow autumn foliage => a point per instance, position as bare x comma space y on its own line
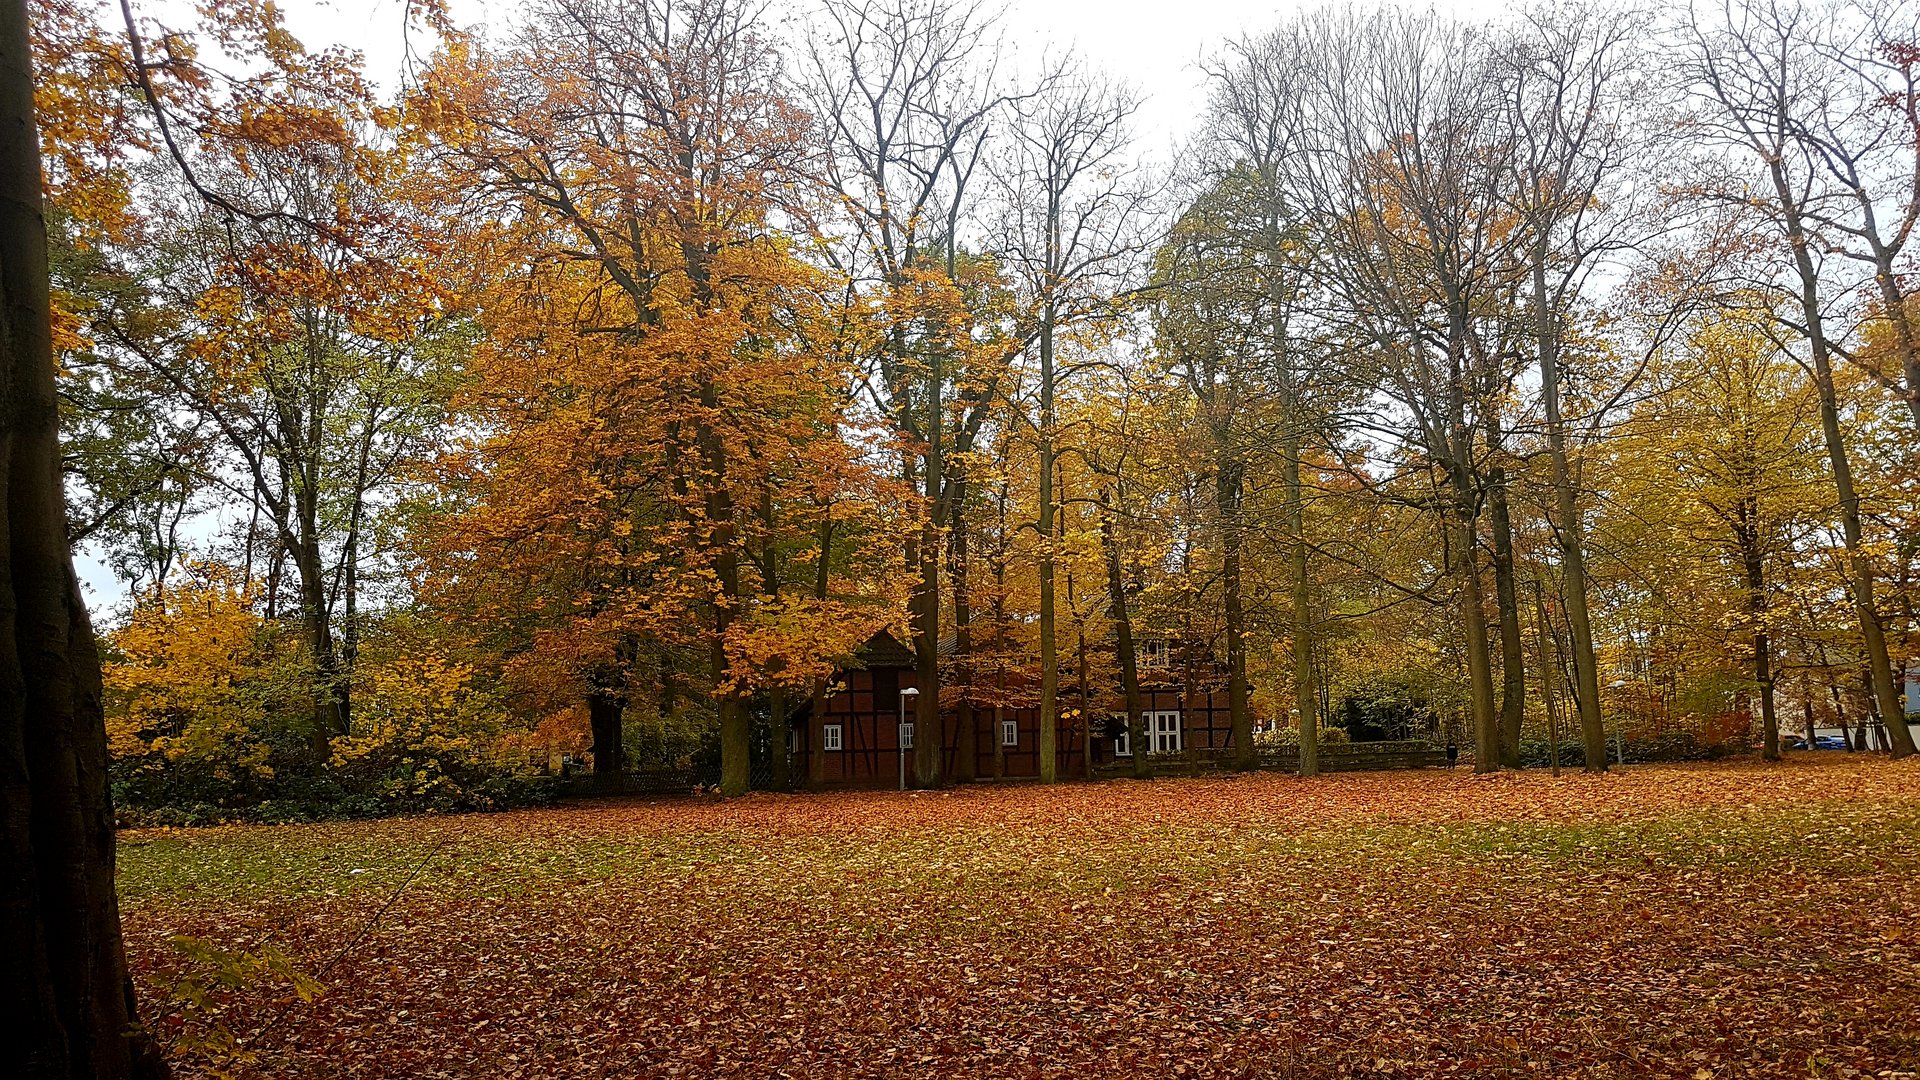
422, 727
191, 677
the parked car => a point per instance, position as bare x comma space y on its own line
1820, 742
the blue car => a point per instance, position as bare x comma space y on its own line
1820, 742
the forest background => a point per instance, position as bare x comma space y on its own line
607, 384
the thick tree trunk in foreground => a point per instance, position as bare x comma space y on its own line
66, 995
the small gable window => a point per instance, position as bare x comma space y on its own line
830, 737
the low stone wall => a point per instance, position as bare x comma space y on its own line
1334, 757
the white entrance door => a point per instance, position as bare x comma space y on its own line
1164, 730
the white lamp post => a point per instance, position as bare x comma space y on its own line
907, 693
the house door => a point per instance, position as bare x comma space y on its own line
1163, 729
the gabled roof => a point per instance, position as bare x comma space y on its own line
883, 650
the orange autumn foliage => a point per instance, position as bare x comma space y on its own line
658, 405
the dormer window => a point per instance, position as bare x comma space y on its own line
1154, 652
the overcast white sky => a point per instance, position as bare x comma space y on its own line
1155, 45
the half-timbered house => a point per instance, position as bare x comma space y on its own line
859, 731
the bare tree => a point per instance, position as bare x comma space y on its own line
1070, 229
904, 90
1755, 74
1259, 127
1860, 125
1570, 74
1406, 181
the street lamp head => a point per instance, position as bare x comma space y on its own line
909, 691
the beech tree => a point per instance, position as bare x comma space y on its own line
1723, 461
636, 153
66, 982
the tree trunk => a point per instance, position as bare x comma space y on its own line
606, 713
1293, 424
67, 996
1872, 716
1306, 702
349, 626
1513, 673
736, 746
779, 764
736, 734
816, 752
999, 744
1569, 530
1123, 644
966, 748
1049, 652
1840, 717
1466, 572
1754, 563
1455, 441
1086, 714
1227, 505
1549, 706
329, 703
1861, 580
777, 751
926, 628
926, 715
1000, 636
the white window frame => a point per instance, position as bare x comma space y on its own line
1009, 733
1155, 652
1164, 731
830, 736
1123, 742
906, 735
